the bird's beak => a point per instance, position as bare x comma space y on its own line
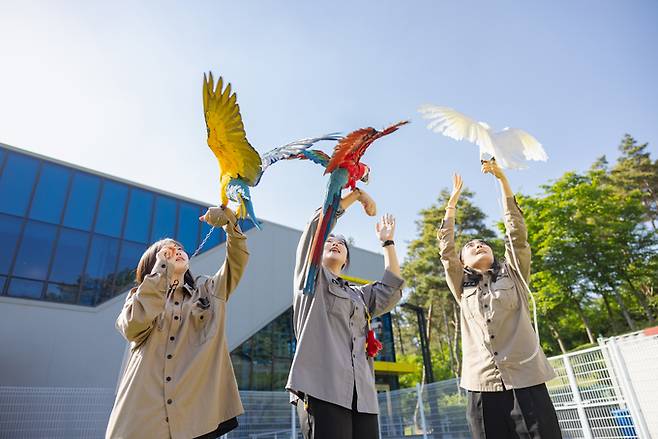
366, 176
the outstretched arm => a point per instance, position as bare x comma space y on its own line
224, 282
514, 223
452, 265
382, 296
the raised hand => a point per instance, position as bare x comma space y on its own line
219, 216
385, 228
492, 167
369, 205
457, 186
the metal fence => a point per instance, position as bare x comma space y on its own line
610, 391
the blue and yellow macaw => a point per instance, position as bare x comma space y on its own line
240, 165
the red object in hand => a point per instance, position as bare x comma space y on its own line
373, 346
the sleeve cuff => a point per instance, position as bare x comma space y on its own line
392, 280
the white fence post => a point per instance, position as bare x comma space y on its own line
582, 416
422, 410
619, 366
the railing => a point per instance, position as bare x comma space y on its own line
609, 391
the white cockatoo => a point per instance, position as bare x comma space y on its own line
511, 147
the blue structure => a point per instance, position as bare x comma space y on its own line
74, 236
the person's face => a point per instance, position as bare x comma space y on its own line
335, 252
179, 258
478, 255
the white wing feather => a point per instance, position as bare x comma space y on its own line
458, 126
514, 147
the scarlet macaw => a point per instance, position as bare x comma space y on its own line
240, 165
346, 169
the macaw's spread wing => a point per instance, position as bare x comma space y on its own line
294, 150
352, 147
316, 156
226, 135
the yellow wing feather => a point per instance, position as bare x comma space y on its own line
226, 135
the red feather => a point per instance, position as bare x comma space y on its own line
352, 147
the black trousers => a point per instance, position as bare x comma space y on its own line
324, 420
526, 413
222, 429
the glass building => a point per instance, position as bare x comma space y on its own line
76, 237
263, 361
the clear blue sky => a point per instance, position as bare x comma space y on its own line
116, 86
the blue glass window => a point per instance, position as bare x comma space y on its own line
188, 226
100, 270
129, 257
10, 229
25, 288
81, 204
50, 193
16, 183
62, 293
164, 223
138, 220
111, 208
35, 250
69, 257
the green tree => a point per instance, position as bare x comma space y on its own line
590, 244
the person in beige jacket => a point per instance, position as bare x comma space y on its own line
503, 368
179, 382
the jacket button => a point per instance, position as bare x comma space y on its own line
488, 320
169, 357
175, 317
486, 306
176, 303
492, 336
169, 401
172, 338
168, 378
495, 353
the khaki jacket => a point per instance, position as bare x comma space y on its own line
179, 381
499, 344
330, 360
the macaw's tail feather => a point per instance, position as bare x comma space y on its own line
249, 207
325, 226
317, 250
238, 191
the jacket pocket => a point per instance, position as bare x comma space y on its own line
203, 320
470, 302
505, 293
339, 302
